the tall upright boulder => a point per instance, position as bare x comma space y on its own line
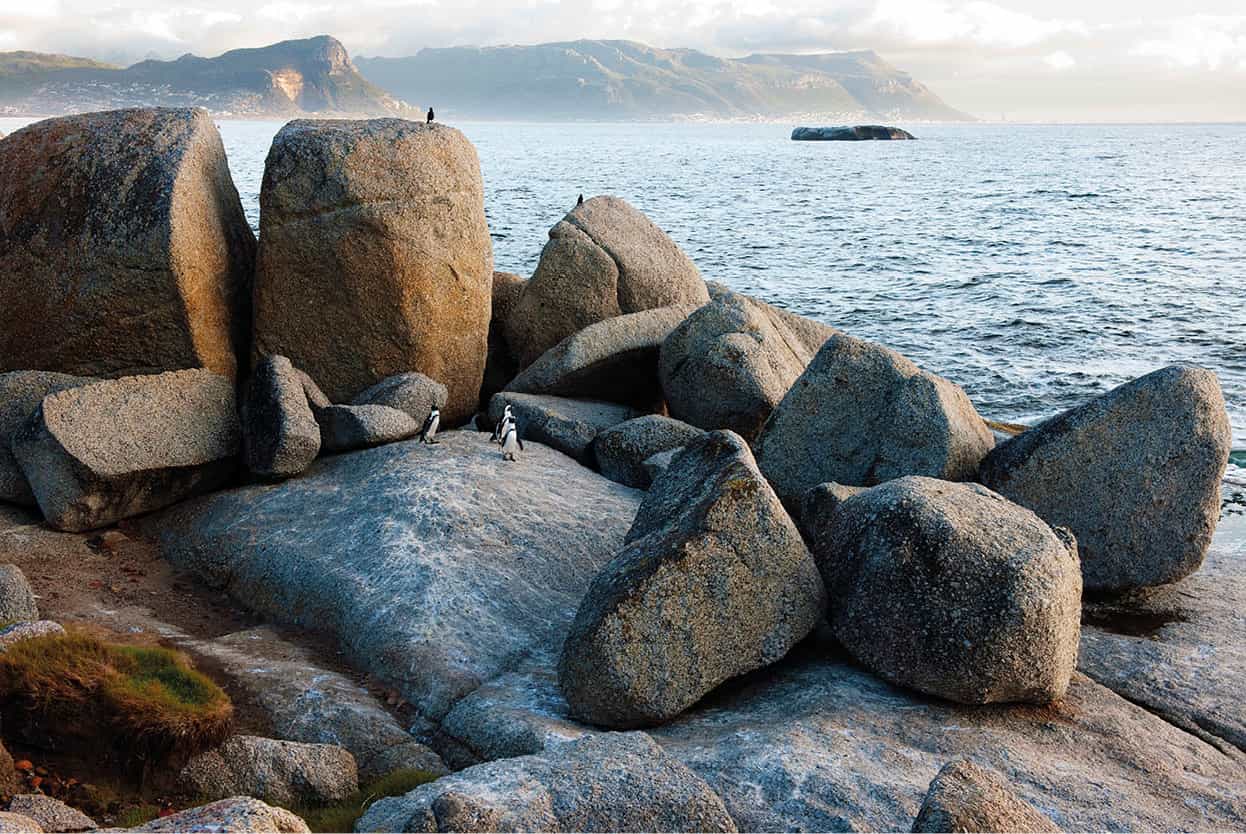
1135, 474
603, 259
375, 257
862, 414
731, 362
124, 244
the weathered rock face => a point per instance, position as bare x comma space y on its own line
860, 415
615, 359
966, 797
952, 590
713, 583
1135, 474
500, 366
434, 567
18, 824
603, 259
124, 245
236, 815
17, 600
51, 814
414, 394
570, 426
375, 256
306, 702
347, 427
280, 772
119, 448
621, 450
20, 394
9, 783
731, 362
612, 782
280, 436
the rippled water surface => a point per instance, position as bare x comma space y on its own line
1034, 265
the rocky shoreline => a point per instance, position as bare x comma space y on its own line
747, 572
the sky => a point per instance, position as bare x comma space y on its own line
1034, 60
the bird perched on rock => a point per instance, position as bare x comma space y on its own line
428, 434
500, 429
580, 201
511, 442
430, 116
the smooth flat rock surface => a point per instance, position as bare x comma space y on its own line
1180, 650
436, 568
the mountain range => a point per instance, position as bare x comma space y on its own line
586, 79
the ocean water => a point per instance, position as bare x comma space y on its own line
1035, 265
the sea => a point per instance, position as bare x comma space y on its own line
1035, 265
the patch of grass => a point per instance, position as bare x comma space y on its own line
147, 700
136, 815
343, 815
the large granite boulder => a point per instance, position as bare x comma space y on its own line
1135, 474
124, 244
603, 259
236, 815
435, 568
375, 258
414, 394
123, 447
280, 436
570, 426
952, 590
615, 359
731, 362
610, 782
714, 582
967, 798
860, 415
344, 428
281, 772
20, 395
500, 365
621, 450
17, 599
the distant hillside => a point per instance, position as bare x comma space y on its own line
626, 80
291, 78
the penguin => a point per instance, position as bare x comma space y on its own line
430, 115
511, 442
428, 434
500, 429
580, 201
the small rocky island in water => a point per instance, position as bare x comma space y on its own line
272, 556
848, 133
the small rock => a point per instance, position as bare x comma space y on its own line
713, 582
965, 797
952, 590
20, 395
51, 814
236, 815
17, 600
315, 397
280, 437
623, 449
570, 426
122, 447
412, 393
347, 427
614, 360
281, 772
861, 415
18, 824
607, 782
1135, 474
732, 361
18, 632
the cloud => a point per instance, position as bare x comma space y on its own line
1198, 42
1060, 60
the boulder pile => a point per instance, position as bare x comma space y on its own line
795, 558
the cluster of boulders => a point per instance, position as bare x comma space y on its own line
797, 479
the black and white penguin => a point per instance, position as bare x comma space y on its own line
430, 115
511, 442
428, 434
499, 431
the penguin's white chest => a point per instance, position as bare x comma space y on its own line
510, 443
